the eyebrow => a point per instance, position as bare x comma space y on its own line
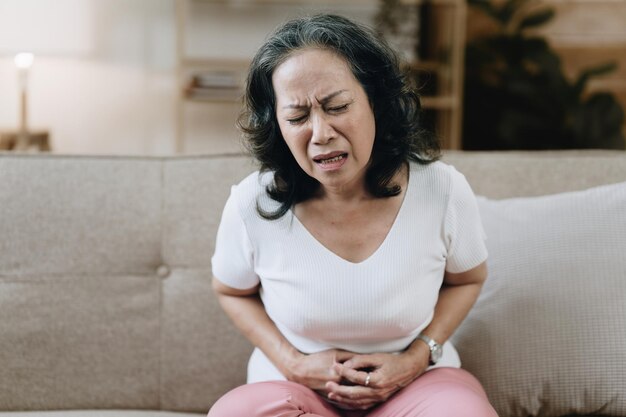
323, 101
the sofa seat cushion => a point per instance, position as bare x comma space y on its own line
546, 337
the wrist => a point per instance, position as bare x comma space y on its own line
291, 361
419, 354
435, 349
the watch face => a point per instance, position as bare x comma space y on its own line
435, 353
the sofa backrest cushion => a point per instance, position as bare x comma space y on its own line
546, 336
105, 298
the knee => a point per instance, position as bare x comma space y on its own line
246, 400
261, 399
449, 392
461, 400
468, 403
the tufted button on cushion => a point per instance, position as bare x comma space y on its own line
163, 271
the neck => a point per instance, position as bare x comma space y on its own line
357, 192
346, 193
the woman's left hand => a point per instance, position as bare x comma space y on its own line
388, 373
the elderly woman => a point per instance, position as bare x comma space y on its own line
351, 257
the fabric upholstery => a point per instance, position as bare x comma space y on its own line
105, 299
203, 356
546, 337
524, 174
105, 276
79, 304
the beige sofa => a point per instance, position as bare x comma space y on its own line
106, 307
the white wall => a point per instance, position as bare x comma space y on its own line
107, 81
111, 94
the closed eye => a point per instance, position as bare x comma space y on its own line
297, 120
338, 109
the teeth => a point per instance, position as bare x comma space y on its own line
331, 160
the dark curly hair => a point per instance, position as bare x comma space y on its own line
399, 135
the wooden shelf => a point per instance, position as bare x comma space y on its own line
214, 99
206, 62
440, 103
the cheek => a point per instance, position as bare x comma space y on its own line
295, 141
365, 130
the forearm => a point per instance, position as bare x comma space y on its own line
455, 302
456, 298
249, 316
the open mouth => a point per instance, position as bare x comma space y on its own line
330, 159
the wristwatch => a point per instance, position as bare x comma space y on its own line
436, 350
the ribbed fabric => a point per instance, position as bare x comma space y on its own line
319, 300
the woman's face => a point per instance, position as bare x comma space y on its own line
325, 118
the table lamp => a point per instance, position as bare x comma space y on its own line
23, 62
51, 30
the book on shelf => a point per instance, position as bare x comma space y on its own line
215, 79
214, 85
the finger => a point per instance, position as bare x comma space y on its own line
361, 403
353, 375
376, 397
353, 392
353, 405
342, 355
363, 361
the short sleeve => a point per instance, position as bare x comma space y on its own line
465, 237
233, 260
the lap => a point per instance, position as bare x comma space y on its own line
272, 399
440, 392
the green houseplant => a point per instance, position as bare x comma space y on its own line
517, 97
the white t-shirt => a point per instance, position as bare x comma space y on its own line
321, 301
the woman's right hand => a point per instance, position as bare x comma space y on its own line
316, 369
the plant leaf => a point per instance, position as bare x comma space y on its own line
508, 10
536, 19
486, 7
586, 74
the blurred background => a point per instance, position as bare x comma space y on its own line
161, 77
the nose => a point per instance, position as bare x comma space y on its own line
322, 130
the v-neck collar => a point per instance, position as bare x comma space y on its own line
380, 247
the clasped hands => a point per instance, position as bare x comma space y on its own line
343, 376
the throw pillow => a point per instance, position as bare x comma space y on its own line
547, 336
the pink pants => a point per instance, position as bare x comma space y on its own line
441, 392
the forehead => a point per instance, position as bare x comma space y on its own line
312, 72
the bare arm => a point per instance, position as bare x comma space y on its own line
246, 310
456, 297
